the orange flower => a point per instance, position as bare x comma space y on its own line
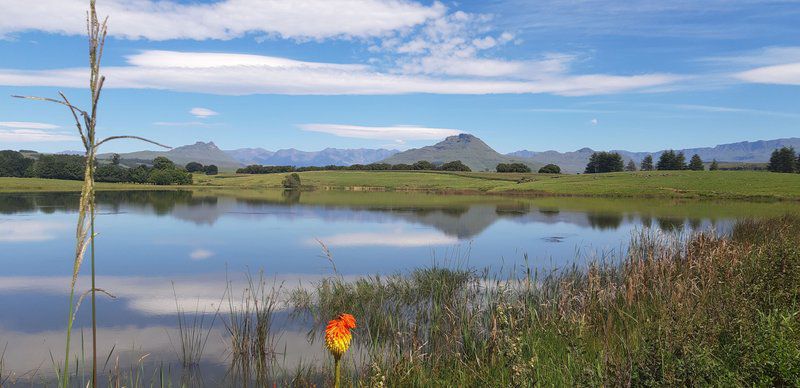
338, 336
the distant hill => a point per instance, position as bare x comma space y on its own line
205, 153
742, 152
464, 147
297, 158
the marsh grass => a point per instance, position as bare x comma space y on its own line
193, 333
252, 339
699, 309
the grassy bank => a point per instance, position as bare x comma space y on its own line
707, 310
660, 184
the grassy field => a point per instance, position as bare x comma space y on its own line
664, 184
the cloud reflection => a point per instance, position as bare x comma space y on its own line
387, 239
30, 230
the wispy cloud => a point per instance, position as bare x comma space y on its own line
788, 74
26, 125
200, 254
398, 132
224, 19
309, 78
202, 113
33, 136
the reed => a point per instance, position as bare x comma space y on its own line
86, 122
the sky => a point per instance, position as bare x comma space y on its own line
310, 74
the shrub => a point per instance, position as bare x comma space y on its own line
512, 167
455, 165
292, 181
550, 169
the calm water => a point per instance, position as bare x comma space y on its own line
156, 247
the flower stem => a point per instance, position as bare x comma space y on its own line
336, 373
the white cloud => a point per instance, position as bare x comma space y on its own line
30, 230
786, 74
33, 136
393, 239
26, 125
309, 78
396, 133
223, 19
200, 254
594, 121
202, 113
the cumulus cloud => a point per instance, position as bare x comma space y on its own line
215, 75
222, 19
202, 113
396, 133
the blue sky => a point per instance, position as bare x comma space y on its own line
520, 74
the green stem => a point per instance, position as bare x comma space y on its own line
94, 310
336, 373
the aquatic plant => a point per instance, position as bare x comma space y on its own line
337, 340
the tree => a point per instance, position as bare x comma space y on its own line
194, 167
631, 166
115, 159
455, 165
112, 173
14, 164
60, 167
696, 164
211, 169
292, 181
783, 160
402, 166
714, 165
169, 177
601, 162
647, 163
669, 160
424, 165
550, 169
139, 174
512, 167
162, 163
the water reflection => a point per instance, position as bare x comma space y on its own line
163, 250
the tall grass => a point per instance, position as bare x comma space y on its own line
700, 310
86, 123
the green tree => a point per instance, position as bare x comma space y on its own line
550, 169
162, 163
670, 160
631, 166
714, 165
292, 181
211, 169
696, 164
455, 165
14, 164
647, 163
512, 167
115, 159
424, 165
194, 167
601, 162
139, 174
112, 173
783, 160
59, 167
402, 166
169, 177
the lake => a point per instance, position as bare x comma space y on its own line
160, 251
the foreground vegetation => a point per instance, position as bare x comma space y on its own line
657, 184
707, 310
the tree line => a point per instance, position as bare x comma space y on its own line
422, 165
71, 167
601, 162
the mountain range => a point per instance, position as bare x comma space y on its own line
471, 150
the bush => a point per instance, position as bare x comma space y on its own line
194, 167
550, 169
455, 165
211, 169
512, 167
291, 181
